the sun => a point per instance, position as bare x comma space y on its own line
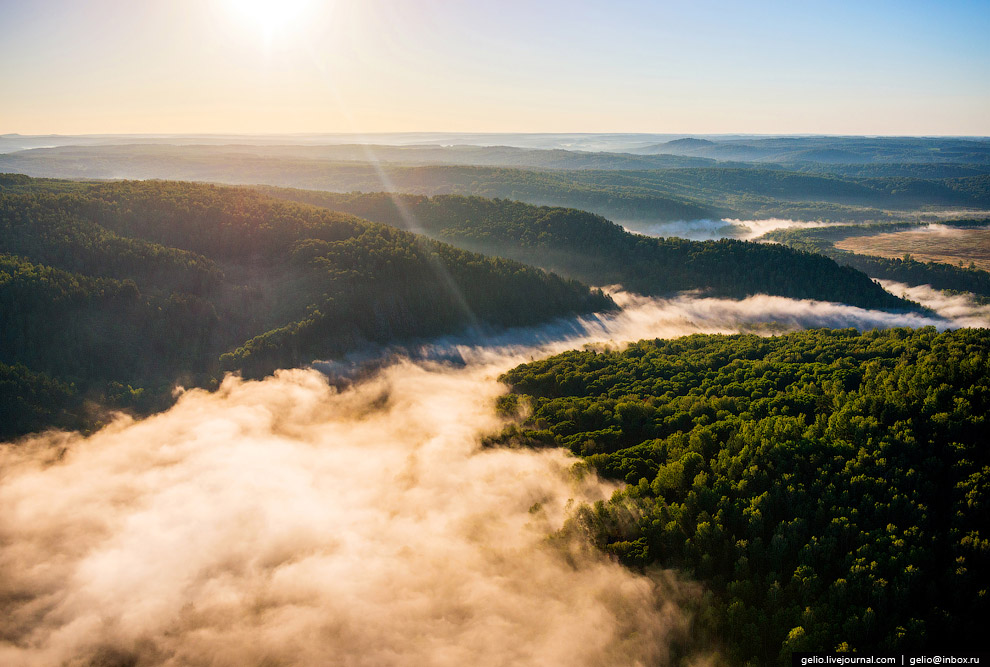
271, 17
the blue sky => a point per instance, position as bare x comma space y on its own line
446, 65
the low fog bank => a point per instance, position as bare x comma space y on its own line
950, 213
281, 522
287, 522
939, 229
942, 230
727, 228
639, 318
962, 310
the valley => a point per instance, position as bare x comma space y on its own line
416, 333
643, 415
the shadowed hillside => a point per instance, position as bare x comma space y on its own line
119, 290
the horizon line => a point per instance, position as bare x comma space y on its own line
487, 132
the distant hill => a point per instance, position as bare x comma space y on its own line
719, 151
592, 249
483, 171
621, 186
100, 161
825, 155
763, 190
116, 291
687, 142
824, 149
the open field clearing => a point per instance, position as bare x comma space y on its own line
933, 244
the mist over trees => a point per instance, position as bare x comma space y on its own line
827, 488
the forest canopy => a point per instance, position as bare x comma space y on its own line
117, 291
830, 487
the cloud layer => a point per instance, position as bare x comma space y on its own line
281, 521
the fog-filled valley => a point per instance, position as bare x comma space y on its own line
288, 521
416, 333
536, 399
282, 521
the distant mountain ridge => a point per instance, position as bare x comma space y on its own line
835, 150
624, 187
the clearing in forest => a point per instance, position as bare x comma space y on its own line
936, 243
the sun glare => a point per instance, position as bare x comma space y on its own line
270, 16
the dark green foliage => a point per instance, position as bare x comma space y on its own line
33, 401
594, 250
127, 288
902, 170
73, 326
937, 274
393, 289
49, 230
22, 184
825, 484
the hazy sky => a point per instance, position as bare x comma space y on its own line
78, 66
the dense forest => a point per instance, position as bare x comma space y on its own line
895, 170
116, 291
829, 487
592, 249
939, 275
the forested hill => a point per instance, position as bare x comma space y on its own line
830, 488
116, 291
590, 248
